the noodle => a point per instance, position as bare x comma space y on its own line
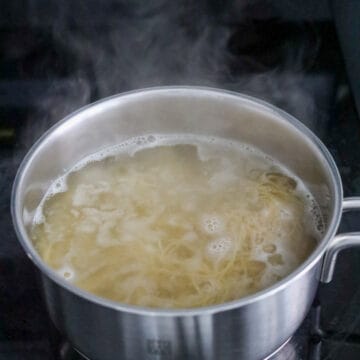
177, 224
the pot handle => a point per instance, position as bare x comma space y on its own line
340, 242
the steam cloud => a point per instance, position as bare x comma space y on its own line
165, 43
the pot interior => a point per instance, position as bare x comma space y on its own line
178, 110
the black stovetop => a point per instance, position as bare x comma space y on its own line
50, 68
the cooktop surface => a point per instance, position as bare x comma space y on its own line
53, 63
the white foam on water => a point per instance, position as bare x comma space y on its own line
67, 273
212, 224
39, 217
219, 247
58, 186
205, 152
314, 220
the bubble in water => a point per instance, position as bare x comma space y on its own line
316, 218
212, 224
219, 247
60, 185
66, 272
140, 140
151, 138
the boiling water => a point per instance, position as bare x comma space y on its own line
176, 222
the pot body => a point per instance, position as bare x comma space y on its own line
250, 328
249, 332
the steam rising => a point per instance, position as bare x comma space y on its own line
143, 44
173, 46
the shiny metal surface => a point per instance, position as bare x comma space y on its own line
250, 328
351, 203
340, 242
251, 331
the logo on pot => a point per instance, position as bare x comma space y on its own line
159, 348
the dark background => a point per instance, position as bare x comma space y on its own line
56, 56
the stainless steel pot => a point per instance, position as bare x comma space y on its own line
250, 328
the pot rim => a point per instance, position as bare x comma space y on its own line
260, 295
